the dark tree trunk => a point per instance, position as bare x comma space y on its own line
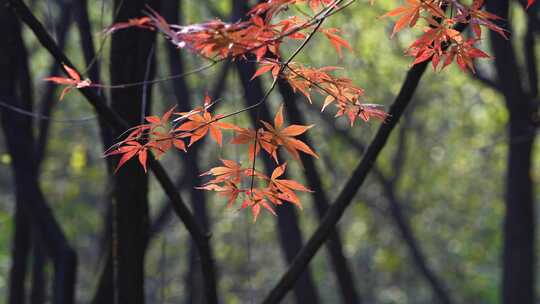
122, 280
22, 232
48, 99
194, 283
20, 144
339, 262
90, 57
37, 292
19, 252
106, 133
518, 281
290, 236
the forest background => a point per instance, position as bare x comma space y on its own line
428, 225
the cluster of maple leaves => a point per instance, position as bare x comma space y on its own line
260, 37
440, 41
174, 129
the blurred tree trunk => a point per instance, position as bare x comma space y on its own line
122, 280
106, 133
90, 57
518, 281
48, 98
46, 104
19, 253
20, 143
21, 247
37, 291
342, 269
25, 93
193, 280
290, 235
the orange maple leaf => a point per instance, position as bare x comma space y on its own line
255, 141
285, 187
410, 12
229, 190
285, 136
336, 40
255, 199
199, 124
231, 172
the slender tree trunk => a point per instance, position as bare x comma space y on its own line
194, 283
37, 292
90, 57
20, 143
106, 133
290, 235
518, 281
19, 252
48, 99
22, 233
131, 52
342, 269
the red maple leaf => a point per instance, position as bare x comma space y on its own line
128, 150
464, 54
74, 80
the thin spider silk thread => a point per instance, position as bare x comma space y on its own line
145, 86
45, 117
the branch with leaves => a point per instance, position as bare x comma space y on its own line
260, 37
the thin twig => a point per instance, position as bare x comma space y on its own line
45, 117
